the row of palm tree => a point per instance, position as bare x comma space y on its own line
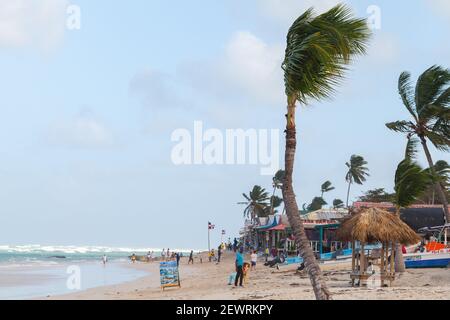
357, 172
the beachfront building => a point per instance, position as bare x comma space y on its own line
418, 217
274, 232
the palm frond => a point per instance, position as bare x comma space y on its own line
430, 86
318, 49
411, 181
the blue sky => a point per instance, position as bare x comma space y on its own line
87, 115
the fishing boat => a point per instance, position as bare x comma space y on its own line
435, 254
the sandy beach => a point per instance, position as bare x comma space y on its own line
208, 281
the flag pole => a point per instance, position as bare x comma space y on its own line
209, 241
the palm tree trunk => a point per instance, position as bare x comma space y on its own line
438, 186
399, 261
348, 192
318, 282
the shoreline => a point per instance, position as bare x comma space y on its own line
208, 281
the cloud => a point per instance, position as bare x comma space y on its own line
156, 90
384, 48
248, 69
82, 131
441, 7
289, 10
36, 23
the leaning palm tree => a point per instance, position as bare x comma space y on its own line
318, 49
326, 187
277, 183
428, 103
357, 172
411, 181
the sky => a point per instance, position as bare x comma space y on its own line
93, 90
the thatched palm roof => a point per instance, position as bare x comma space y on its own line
377, 225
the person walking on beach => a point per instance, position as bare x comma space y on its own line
163, 255
191, 257
254, 259
235, 244
104, 260
168, 254
178, 257
239, 268
219, 253
133, 258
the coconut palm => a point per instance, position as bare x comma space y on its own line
275, 202
357, 172
338, 204
317, 52
428, 104
256, 203
326, 187
317, 204
277, 183
411, 181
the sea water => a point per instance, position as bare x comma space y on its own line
36, 271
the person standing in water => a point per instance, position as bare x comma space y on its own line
104, 260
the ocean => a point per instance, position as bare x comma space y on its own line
35, 271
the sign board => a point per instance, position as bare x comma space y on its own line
169, 274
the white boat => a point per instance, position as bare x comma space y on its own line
432, 259
436, 259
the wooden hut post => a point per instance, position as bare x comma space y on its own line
362, 257
392, 275
382, 268
353, 262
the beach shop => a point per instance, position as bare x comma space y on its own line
274, 233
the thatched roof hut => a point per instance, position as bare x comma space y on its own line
377, 225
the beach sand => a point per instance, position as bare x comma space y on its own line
208, 281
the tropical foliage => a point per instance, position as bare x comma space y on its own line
357, 172
338, 204
428, 105
326, 187
256, 203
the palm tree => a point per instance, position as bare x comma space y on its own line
441, 176
326, 187
317, 204
411, 181
338, 204
357, 172
318, 49
277, 183
428, 103
256, 203
275, 202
